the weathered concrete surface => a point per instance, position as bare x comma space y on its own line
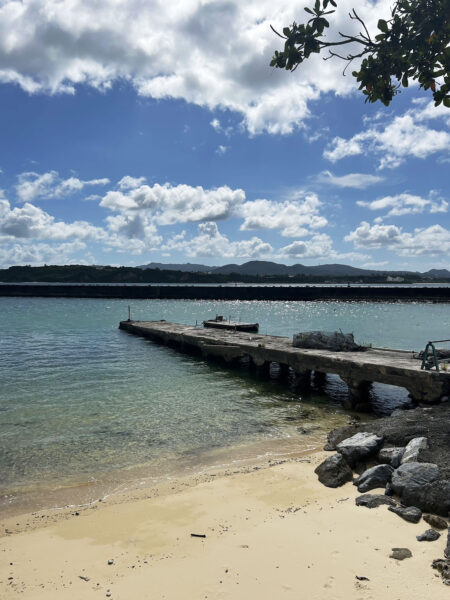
356, 368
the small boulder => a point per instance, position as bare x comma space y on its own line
430, 535
447, 548
400, 553
391, 456
375, 477
334, 471
412, 514
374, 500
435, 521
359, 447
413, 448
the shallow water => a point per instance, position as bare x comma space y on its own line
83, 404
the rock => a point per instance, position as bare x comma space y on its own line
391, 456
374, 500
443, 566
400, 553
375, 477
334, 471
411, 514
417, 484
447, 548
413, 474
388, 490
359, 447
110, 561
413, 448
435, 521
430, 535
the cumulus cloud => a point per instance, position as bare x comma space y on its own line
402, 137
209, 242
176, 204
405, 204
433, 240
358, 181
320, 246
27, 253
128, 183
213, 54
222, 149
30, 222
295, 218
133, 233
33, 186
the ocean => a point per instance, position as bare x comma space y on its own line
86, 409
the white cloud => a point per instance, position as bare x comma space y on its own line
128, 183
404, 204
49, 185
404, 136
37, 254
320, 246
358, 181
176, 204
31, 222
213, 54
433, 240
133, 233
295, 218
209, 242
222, 149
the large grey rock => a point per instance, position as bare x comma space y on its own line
374, 500
418, 484
411, 514
334, 471
326, 340
413, 448
375, 477
359, 447
413, 474
435, 521
430, 535
391, 456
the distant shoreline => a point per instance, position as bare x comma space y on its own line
375, 293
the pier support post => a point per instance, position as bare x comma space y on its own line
320, 379
260, 368
283, 372
358, 394
302, 380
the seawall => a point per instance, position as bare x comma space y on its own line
188, 292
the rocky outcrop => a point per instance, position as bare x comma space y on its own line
375, 477
413, 448
334, 471
391, 456
435, 521
359, 447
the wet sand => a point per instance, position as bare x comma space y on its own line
271, 531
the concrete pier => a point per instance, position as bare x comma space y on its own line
358, 369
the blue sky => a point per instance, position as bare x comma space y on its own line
134, 132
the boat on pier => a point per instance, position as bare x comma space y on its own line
220, 323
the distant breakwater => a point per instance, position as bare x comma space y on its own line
187, 292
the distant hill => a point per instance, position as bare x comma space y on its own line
267, 268
185, 268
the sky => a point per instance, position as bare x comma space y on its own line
156, 131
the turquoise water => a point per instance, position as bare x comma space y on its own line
84, 405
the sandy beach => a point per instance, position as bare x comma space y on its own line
271, 531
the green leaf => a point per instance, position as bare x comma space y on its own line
446, 102
317, 7
382, 26
333, 3
405, 80
308, 10
286, 31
